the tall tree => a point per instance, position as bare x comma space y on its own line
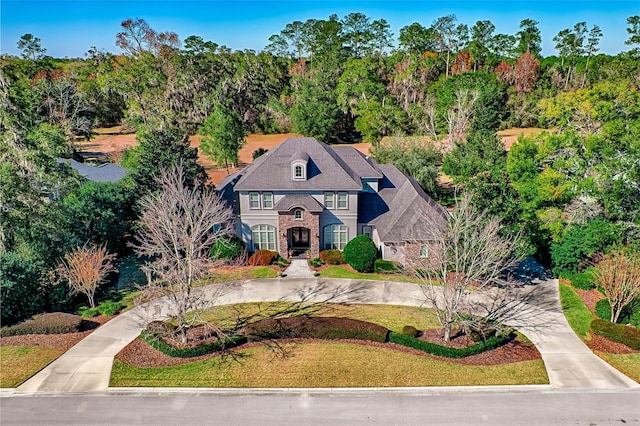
31, 47
179, 224
451, 37
291, 42
357, 33
417, 39
529, 37
525, 73
570, 45
634, 31
591, 48
481, 44
222, 136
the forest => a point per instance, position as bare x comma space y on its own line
430, 100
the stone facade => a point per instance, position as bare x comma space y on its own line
287, 220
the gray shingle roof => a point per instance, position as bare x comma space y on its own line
106, 172
325, 169
363, 166
401, 210
305, 201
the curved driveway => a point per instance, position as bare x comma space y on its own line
87, 366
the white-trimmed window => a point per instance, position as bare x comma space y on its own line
299, 171
343, 200
263, 237
329, 200
335, 237
267, 200
368, 231
254, 200
424, 250
298, 215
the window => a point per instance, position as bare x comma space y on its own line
424, 250
328, 200
267, 200
343, 200
298, 214
367, 230
335, 237
299, 171
264, 237
254, 200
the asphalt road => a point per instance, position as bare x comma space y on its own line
342, 408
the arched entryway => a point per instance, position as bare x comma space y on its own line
298, 240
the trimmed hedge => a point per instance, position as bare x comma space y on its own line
332, 257
624, 334
330, 328
226, 249
603, 309
263, 258
51, 323
387, 266
207, 348
447, 352
360, 253
583, 281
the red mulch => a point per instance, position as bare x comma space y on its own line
56, 341
589, 297
602, 344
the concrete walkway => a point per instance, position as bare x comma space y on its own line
87, 366
299, 268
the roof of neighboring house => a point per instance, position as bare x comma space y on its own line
305, 201
401, 210
326, 171
106, 172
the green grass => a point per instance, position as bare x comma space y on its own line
629, 364
263, 272
337, 271
576, 312
392, 317
327, 364
18, 363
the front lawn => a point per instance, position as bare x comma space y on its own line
337, 271
327, 364
629, 364
18, 363
576, 312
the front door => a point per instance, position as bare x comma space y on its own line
299, 239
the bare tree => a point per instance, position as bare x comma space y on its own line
85, 268
618, 274
460, 114
468, 252
179, 223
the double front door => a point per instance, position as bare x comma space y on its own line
299, 238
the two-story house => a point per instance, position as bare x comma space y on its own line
304, 195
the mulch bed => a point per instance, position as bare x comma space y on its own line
589, 297
139, 354
602, 344
55, 341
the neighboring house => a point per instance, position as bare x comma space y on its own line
307, 196
106, 172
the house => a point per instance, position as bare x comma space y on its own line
307, 196
106, 172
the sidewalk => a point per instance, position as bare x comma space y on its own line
299, 268
87, 366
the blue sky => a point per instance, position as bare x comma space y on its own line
70, 28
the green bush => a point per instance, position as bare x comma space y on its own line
583, 280
621, 333
107, 308
332, 257
53, 323
316, 262
157, 343
227, 249
386, 266
409, 330
603, 309
447, 352
360, 253
263, 258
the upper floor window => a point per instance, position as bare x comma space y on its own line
343, 200
299, 171
367, 230
297, 214
254, 200
328, 200
338, 200
267, 200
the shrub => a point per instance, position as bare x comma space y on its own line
624, 334
409, 330
109, 308
53, 323
316, 262
387, 266
603, 309
332, 257
161, 328
444, 351
262, 258
360, 253
206, 348
583, 280
315, 328
226, 249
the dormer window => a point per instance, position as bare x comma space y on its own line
297, 214
299, 171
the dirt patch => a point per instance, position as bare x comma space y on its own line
510, 136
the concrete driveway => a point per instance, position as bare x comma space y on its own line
87, 366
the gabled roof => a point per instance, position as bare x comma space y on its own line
363, 166
326, 171
106, 172
304, 201
401, 210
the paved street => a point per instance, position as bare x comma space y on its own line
445, 407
